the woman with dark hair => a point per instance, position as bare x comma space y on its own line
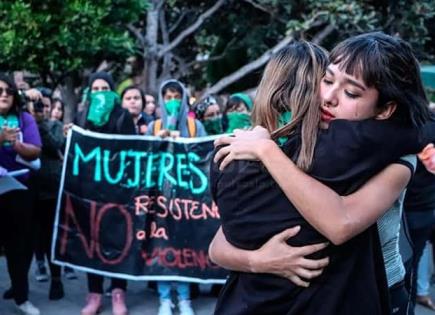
57, 110
133, 100
372, 112
208, 111
19, 137
106, 117
237, 114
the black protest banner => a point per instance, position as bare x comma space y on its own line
137, 207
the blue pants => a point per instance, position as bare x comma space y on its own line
424, 271
164, 289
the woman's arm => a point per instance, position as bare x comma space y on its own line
337, 218
275, 257
27, 151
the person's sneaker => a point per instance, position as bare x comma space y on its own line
118, 302
41, 274
70, 273
165, 307
27, 308
56, 290
185, 307
8, 294
93, 304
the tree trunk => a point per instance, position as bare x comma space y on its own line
70, 99
151, 45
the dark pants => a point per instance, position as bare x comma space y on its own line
16, 235
419, 238
45, 215
95, 283
400, 300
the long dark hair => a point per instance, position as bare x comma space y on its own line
62, 105
16, 105
388, 64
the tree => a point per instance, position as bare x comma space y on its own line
217, 43
60, 40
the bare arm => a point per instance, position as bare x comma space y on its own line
27, 151
275, 257
337, 218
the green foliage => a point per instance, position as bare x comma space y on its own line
53, 37
257, 29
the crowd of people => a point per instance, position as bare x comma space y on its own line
33, 129
330, 192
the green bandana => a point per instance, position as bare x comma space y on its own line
173, 109
11, 121
283, 120
238, 121
101, 106
213, 126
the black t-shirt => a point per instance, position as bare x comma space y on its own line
253, 208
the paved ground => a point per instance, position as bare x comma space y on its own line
141, 301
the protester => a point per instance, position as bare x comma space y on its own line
175, 123
209, 113
57, 110
237, 112
103, 113
173, 101
342, 92
19, 138
419, 209
150, 106
133, 100
47, 180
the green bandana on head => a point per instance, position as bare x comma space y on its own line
10, 121
101, 106
213, 126
173, 109
245, 98
238, 120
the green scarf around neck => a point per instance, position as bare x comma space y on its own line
173, 110
283, 120
238, 121
213, 126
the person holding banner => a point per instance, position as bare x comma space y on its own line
209, 112
175, 122
133, 100
104, 114
343, 159
173, 99
237, 113
19, 138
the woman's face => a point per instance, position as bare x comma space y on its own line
100, 85
345, 97
150, 104
57, 112
6, 98
132, 101
212, 111
240, 108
